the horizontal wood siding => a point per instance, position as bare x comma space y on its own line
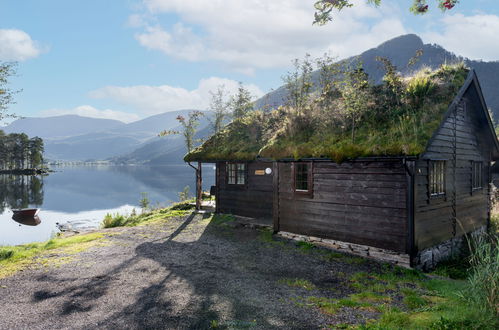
434, 220
356, 202
254, 199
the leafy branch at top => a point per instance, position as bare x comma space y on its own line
324, 8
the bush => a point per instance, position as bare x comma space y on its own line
111, 221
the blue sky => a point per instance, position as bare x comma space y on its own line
131, 59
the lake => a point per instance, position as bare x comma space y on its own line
82, 195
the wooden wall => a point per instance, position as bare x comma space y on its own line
357, 202
254, 199
461, 139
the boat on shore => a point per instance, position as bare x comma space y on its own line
28, 216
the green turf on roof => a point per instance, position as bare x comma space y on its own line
386, 129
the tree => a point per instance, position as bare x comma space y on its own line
220, 108
299, 84
355, 92
189, 128
241, 103
324, 8
7, 70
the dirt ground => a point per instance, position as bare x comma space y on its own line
186, 273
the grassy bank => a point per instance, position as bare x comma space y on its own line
15, 258
148, 216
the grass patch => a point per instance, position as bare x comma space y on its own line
298, 283
15, 258
342, 257
118, 220
266, 235
305, 247
222, 219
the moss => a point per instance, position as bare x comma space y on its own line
386, 129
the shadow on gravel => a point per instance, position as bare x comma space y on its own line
216, 280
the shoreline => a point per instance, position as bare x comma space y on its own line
26, 171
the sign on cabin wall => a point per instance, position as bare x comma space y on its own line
259, 172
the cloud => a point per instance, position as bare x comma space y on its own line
474, 36
249, 34
17, 45
157, 99
89, 111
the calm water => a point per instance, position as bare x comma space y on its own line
81, 196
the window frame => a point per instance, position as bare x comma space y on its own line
476, 177
236, 174
437, 178
310, 186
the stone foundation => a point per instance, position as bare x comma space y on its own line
428, 259
393, 257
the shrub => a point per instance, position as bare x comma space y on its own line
111, 221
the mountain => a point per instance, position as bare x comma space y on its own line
61, 126
74, 138
400, 50
161, 150
113, 142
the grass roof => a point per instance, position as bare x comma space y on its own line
386, 127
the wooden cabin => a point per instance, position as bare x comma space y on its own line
411, 209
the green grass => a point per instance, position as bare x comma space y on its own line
15, 258
404, 299
298, 283
119, 220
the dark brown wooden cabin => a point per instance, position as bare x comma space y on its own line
416, 207
245, 189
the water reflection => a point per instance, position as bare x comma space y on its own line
27, 217
82, 195
20, 191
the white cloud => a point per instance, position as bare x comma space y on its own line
157, 99
89, 111
249, 34
475, 37
17, 45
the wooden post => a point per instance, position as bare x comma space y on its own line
199, 187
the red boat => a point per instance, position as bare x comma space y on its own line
28, 217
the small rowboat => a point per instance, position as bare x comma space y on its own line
28, 217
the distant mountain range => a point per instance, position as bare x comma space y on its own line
73, 138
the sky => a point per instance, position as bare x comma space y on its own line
130, 59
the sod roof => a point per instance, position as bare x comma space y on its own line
386, 129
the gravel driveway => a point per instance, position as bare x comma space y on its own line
184, 273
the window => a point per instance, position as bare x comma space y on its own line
476, 175
437, 178
236, 173
302, 177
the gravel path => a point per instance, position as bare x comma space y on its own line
186, 273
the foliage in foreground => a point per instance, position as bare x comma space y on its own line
133, 219
343, 120
394, 298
